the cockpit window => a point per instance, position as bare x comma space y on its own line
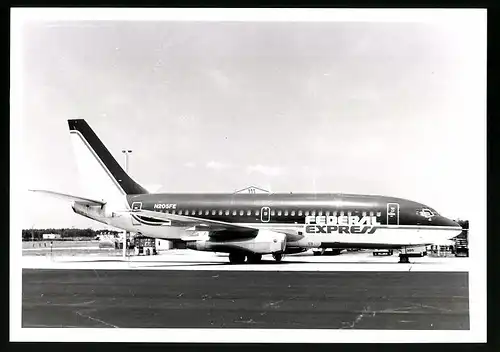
426, 213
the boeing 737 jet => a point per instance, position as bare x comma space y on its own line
248, 226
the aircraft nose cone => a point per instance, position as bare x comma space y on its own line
443, 221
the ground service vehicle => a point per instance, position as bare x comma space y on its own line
461, 248
383, 252
144, 245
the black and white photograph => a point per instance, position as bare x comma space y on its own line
256, 175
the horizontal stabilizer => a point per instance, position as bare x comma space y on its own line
69, 197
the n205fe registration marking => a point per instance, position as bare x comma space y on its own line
164, 206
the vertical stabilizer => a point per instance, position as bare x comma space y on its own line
100, 174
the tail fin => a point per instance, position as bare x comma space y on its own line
100, 174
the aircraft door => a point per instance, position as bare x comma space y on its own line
136, 206
265, 214
392, 214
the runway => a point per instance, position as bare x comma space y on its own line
193, 260
141, 298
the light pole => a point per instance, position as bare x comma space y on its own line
125, 235
126, 152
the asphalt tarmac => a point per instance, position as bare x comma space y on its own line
245, 299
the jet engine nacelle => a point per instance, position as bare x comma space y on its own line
266, 242
305, 243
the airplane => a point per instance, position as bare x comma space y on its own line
247, 226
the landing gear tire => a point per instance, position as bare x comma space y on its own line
404, 259
236, 258
278, 257
254, 258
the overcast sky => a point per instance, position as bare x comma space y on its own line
372, 108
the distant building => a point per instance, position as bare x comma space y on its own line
51, 236
252, 190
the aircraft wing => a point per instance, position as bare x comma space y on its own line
195, 224
69, 197
218, 229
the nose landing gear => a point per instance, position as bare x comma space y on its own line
278, 257
404, 259
254, 258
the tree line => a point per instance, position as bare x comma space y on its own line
37, 234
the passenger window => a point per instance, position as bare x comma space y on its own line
371, 213
300, 212
307, 213
213, 211
286, 212
341, 213
313, 213
200, 212
363, 213
379, 213
220, 212
180, 212
320, 213
207, 212
292, 213
272, 212
193, 212
349, 213
249, 212
256, 212
242, 212
279, 212
327, 213
227, 212
234, 212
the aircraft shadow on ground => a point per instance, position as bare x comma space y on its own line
146, 264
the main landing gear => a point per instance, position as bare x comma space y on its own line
236, 258
252, 258
404, 259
